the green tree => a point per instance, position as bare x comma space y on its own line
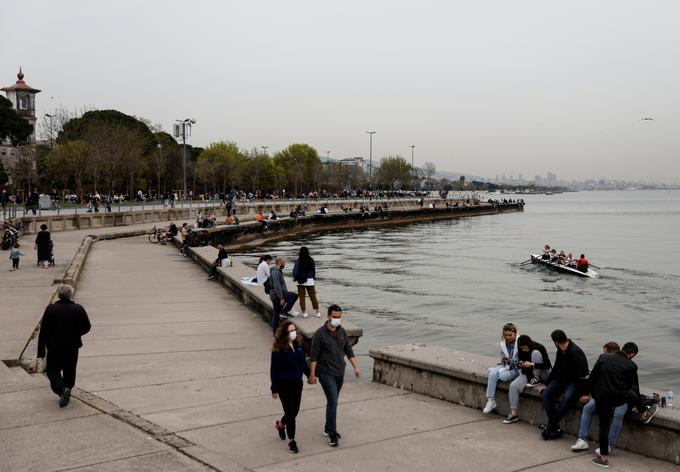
393, 172
70, 161
301, 165
222, 164
430, 170
12, 125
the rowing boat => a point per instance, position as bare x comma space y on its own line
537, 259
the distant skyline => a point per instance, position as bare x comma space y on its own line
483, 88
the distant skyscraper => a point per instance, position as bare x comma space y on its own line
551, 179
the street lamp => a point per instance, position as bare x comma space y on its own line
51, 117
370, 160
328, 157
183, 129
265, 149
413, 178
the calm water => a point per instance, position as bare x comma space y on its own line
456, 283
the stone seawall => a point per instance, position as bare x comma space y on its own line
460, 377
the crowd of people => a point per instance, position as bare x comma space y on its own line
610, 388
550, 254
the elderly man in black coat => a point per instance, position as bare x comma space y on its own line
62, 325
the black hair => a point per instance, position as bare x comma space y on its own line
630, 348
333, 308
305, 261
265, 257
559, 336
43, 227
525, 340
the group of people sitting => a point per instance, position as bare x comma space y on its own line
298, 211
550, 254
611, 388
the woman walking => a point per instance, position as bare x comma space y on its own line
287, 366
304, 273
43, 243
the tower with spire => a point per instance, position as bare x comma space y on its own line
22, 97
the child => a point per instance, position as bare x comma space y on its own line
15, 255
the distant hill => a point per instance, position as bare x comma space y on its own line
456, 176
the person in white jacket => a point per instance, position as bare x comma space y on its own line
506, 370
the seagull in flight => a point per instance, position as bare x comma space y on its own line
647, 119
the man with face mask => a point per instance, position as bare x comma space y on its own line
329, 347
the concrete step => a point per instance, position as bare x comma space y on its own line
13, 375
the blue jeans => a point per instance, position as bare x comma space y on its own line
290, 299
556, 388
617, 422
496, 374
331, 388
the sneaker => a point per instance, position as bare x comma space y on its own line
333, 439
210, 277
581, 445
292, 447
65, 397
318, 315
510, 419
651, 412
293, 313
534, 383
305, 315
490, 406
557, 434
326, 433
600, 462
611, 451
281, 428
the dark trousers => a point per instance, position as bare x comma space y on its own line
558, 387
605, 412
15, 263
61, 368
331, 388
290, 299
290, 394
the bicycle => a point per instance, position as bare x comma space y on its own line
157, 236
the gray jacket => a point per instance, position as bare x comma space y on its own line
329, 351
278, 284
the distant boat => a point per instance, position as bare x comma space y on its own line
537, 259
548, 193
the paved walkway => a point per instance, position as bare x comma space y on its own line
175, 376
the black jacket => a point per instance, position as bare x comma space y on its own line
62, 325
572, 366
526, 356
614, 377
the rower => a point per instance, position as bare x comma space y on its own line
546, 252
553, 255
571, 262
582, 264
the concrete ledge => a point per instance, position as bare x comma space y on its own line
460, 377
254, 296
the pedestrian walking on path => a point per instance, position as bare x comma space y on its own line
329, 347
288, 364
43, 243
282, 299
61, 328
304, 273
15, 255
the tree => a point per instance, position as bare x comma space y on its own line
4, 178
70, 160
430, 170
13, 125
301, 165
394, 171
222, 163
167, 151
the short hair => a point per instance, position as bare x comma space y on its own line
333, 308
611, 346
43, 226
65, 292
630, 348
559, 336
279, 260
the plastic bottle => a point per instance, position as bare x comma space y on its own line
670, 399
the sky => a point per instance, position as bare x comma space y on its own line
479, 87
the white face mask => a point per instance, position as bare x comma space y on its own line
335, 322
292, 335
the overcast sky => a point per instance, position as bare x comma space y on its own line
480, 87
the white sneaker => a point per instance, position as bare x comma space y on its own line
580, 445
293, 313
490, 406
305, 315
318, 315
611, 450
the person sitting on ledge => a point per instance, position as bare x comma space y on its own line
506, 370
272, 216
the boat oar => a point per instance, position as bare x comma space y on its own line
522, 263
597, 267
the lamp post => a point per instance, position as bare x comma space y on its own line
182, 129
51, 117
328, 157
370, 160
265, 149
413, 178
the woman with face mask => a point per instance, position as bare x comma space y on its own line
288, 364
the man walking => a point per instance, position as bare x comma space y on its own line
282, 300
329, 347
569, 377
62, 325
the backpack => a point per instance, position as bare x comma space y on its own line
268, 285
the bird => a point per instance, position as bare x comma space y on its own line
647, 119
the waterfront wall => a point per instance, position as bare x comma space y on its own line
460, 377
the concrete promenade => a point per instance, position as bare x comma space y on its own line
174, 377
